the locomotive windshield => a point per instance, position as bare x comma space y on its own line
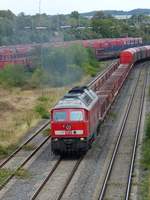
76, 116
72, 115
60, 116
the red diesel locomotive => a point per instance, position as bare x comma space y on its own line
75, 118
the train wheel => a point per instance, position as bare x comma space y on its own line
89, 145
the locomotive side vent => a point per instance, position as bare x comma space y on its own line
87, 99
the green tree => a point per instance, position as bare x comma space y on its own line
13, 75
100, 15
75, 15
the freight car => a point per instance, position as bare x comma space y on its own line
133, 55
75, 118
112, 47
19, 54
102, 48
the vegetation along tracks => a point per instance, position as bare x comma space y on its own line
24, 153
44, 125
117, 180
19, 157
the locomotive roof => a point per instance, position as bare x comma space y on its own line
78, 97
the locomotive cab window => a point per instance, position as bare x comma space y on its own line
60, 116
76, 116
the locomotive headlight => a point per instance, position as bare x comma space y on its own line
81, 139
77, 132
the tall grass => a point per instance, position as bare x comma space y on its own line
145, 162
147, 129
146, 145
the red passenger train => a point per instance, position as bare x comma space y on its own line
75, 118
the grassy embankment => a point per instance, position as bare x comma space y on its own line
145, 185
20, 110
27, 96
145, 162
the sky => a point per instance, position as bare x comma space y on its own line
67, 6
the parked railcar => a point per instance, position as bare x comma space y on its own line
15, 55
102, 48
111, 48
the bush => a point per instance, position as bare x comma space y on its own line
41, 110
13, 75
36, 79
90, 69
146, 145
20, 76
148, 127
67, 65
60, 67
145, 161
43, 98
7, 151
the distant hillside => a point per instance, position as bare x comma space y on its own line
139, 12
120, 12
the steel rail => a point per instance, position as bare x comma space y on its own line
24, 162
101, 74
51, 173
135, 142
46, 179
70, 178
48, 121
102, 192
25, 143
36, 133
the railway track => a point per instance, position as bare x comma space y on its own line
47, 184
44, 125
118, 177
58, 177
100, 75
44, 191
14, 162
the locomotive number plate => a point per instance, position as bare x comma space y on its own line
68, 132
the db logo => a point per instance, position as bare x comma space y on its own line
68, 127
